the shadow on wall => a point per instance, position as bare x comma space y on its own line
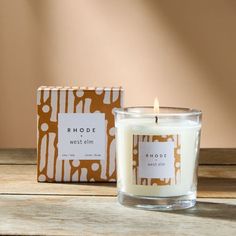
60, 42
207, 30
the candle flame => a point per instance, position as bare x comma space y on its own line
156, 105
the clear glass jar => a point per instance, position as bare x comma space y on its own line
157, 157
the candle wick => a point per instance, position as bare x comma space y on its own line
156, 119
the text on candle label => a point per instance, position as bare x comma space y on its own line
156, 159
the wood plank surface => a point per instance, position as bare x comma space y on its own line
217, 171
209, 156
217, 156
32, 208
216, 188
21, 179
18, 156
68, 215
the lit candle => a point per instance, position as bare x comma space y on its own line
156, 109
157, 153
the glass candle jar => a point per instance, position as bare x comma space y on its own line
157, 157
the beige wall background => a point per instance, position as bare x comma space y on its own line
182, 51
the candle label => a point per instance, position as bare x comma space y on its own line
156, 159
81, 136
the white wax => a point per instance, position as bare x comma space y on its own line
189, 132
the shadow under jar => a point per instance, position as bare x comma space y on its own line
157, 157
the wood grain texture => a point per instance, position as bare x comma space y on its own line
216, 188
31, 208
217, 156
208, 156
21, 179
18, 156
68, 215
217, 171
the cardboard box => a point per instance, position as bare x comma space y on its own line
76, 134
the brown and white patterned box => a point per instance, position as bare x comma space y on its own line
76, 133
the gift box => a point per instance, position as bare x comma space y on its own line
76, 133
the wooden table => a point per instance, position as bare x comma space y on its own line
28, 207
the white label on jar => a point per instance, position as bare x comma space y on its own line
81, 136
156, 160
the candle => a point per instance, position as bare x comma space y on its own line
157, 154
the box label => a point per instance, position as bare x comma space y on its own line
156, 159
81, 136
